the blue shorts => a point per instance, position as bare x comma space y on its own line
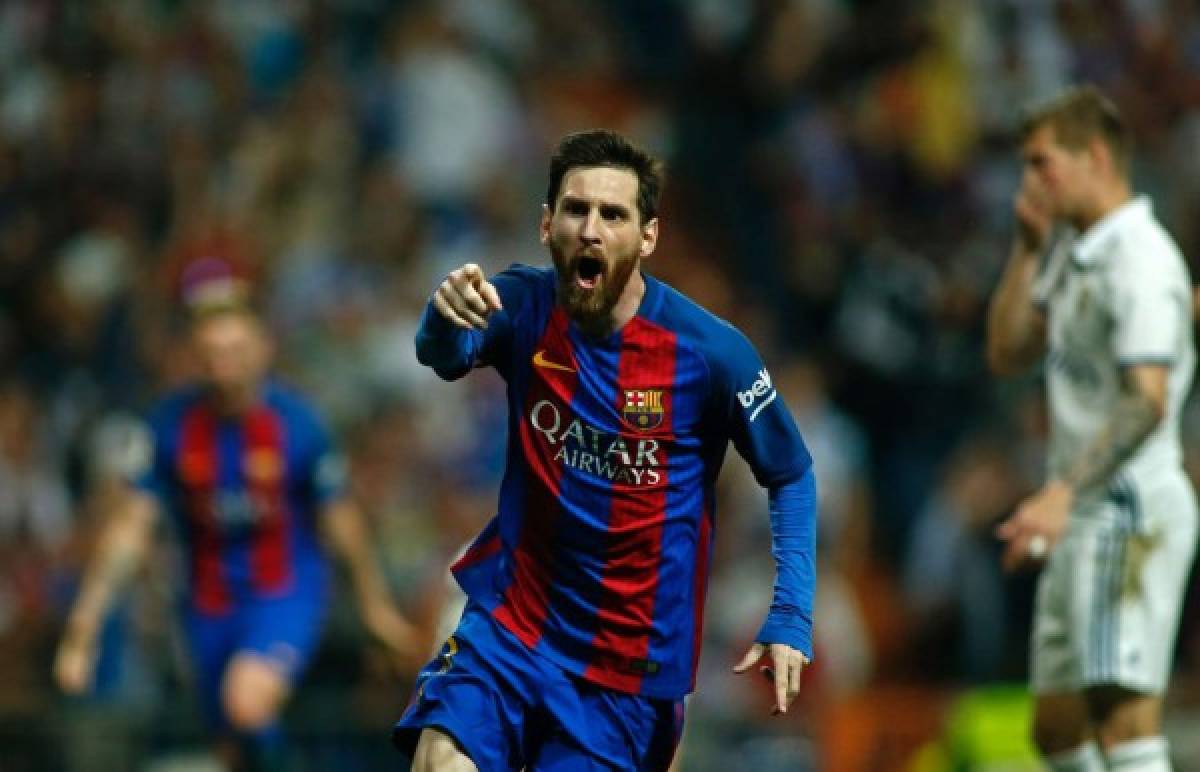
284, 631
510, 708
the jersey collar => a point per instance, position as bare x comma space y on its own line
1089, 247
653, 297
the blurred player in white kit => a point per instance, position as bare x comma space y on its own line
1097, 288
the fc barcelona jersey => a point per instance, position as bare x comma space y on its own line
599, 555
244, 492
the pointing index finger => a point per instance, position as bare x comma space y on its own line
779, 656
794, 672
472, 273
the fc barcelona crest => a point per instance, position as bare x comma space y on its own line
643, 409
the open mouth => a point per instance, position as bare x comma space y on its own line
588, 271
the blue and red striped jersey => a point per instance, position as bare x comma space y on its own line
244, 492
599, 554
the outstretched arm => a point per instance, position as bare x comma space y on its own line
346, 531
119, 552
787, 633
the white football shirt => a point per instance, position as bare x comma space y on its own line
1122, 298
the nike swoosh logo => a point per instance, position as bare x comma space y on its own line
539, 360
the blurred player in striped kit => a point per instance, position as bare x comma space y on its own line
253, 485
1098, 289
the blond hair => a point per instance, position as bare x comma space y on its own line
1078, 115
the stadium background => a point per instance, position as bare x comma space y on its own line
840, 181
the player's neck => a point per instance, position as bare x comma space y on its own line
630, 301
1108, 200
234, 402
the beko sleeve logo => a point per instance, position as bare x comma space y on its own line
760, 394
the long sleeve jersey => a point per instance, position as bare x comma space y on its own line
599, 555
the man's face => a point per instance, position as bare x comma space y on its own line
596, 238
234, 352
1059, 175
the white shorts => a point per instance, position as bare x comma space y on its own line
1109, 597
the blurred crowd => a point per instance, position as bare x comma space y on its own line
840, 181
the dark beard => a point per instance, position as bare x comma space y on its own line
592, 310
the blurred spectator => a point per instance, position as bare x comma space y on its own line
964, 622
35, 524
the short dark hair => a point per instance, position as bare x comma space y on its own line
602, 147
1078, 115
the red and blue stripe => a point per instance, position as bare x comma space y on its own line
633, 549
264, 471
525, 602
199, 468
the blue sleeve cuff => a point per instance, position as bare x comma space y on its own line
442, 345
794, 629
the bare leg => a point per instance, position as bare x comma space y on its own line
1062, 733
438, 752
252, 692
1129, 727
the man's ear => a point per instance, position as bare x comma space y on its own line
649, 238
1100, 154
544, 226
